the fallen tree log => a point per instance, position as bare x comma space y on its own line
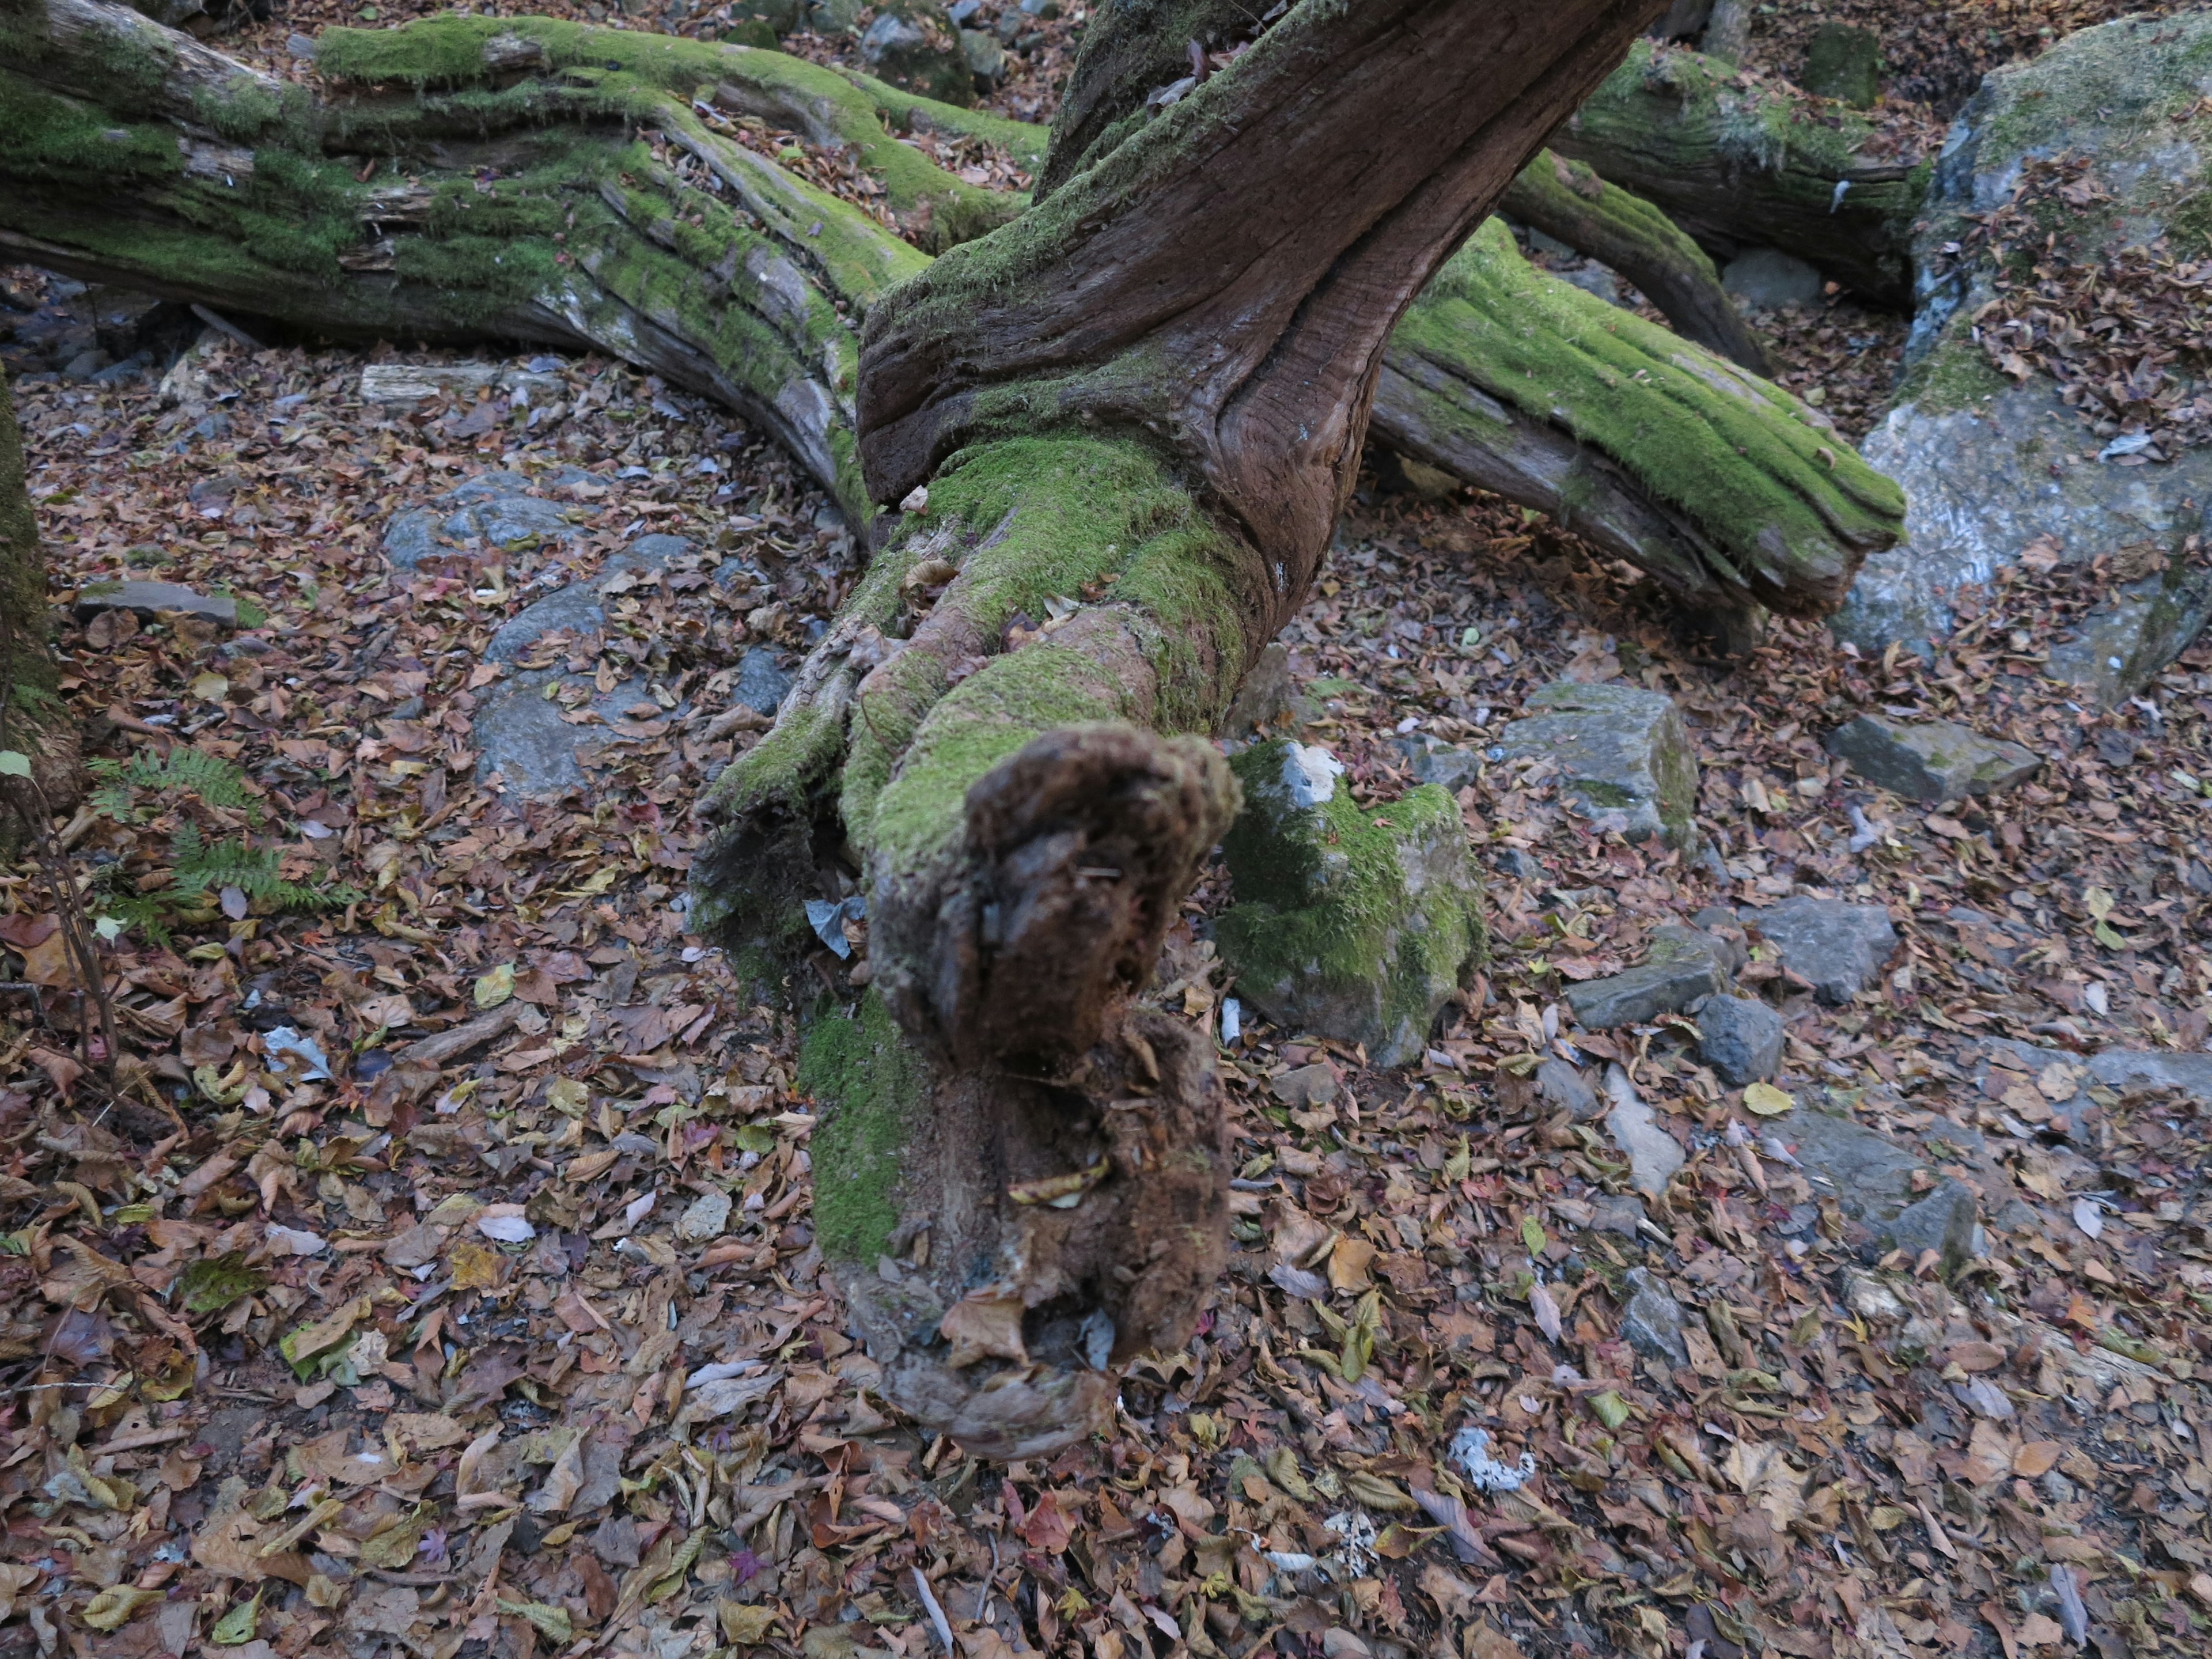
1740, 163
1569, 203
1083, 423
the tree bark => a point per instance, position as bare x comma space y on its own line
1118, 429
1743, 165
33, 721
1569, 203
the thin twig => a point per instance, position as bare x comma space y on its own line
936, 1613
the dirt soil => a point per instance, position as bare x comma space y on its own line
446, 1352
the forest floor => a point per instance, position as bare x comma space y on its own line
415, 1355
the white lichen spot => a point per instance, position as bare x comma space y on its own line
1309, 773
1470, 1449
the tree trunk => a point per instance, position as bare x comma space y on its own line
33, 722
1740, 166
1569, 203
1120, 430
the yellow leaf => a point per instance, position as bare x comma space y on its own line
1060, 1192
495, 987
1766, 1100
550, 1622
115, 1607
982, 1326
1348, 1263
208, 687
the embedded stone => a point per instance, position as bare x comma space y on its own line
1839, 949
1652, 1323
1563, 1088
705, 1218
1931, 761
1845, 63
915, 46
1741, 1038
1349, 923
1872, 1179
1435, 761
1682, 965
1624, 756
148, 600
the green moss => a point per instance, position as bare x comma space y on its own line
1954, 374
1740, 458
2189, 223
1355, 923
869, 1086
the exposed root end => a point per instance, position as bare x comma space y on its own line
1079, 849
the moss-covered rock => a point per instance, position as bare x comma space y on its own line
1349, 923
1624, 756
913, 46
1845, 63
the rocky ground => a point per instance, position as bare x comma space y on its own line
1791, 1238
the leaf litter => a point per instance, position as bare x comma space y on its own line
418, 1354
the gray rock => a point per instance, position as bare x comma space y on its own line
763, 682
1766, 278
2106, 1075
1654, 1154
148, 599
493, 508
1984, 480
915, 46
1617, 1213
1845, 62
518, 727
1351, 924
1841, 949
1870, 1177
1435, 761
1652, 1323
2135, 630
705, 1218
1931, 761
1624, 757
1682, 965
986, 58
1563, 1088
1306, 1087
86, 364
1741, 1038
1992, 469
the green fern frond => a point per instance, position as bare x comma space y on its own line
208, 778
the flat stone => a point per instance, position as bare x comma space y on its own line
1563, 1088
148, 599
1624, 756
1306, 1087
1617, 1213
1741, 1038
1435, 761
916, 47
577, 608
1654, 1154
1766, 278
1840, 949
1845, 62
1682, 965
1870, 1177
1363, 949
2109, 1071
493, 508
1931, 761
705, 1217
1652, 1323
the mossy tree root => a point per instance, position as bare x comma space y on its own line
1741, 165
1567, 201
1730, 490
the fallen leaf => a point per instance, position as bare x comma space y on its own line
982, 1326
1766, 1100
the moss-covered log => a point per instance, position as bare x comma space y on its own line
1728, 489
31, 721
1742, 164
1568, 201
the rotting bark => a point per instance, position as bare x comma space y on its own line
1133, 461
1568, 201
1740, 165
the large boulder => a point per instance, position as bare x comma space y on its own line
1349, 923
1624, 756
1993, 463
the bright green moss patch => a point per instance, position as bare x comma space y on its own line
870, 1087
1349, 923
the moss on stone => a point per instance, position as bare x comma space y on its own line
870, 1087
1954, 374
1355, 923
